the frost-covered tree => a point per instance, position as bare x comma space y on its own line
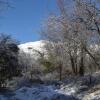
9, 66
74, 31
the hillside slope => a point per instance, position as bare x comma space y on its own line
29, 47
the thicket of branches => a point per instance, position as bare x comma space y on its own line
9, 64
74, 37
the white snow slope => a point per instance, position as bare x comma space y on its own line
29, 47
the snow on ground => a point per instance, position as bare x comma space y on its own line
92, 96
38, 93
72, 89
43, 92
68, 90
2, 97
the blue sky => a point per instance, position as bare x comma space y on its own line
23, 22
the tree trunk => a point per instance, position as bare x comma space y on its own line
72, 64
76, 69
81, 68
60, 72
86, 50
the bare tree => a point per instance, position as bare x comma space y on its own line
72, 34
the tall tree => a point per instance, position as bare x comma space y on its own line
73, 32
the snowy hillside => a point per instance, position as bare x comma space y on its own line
29, 47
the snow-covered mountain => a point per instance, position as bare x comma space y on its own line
31, 47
